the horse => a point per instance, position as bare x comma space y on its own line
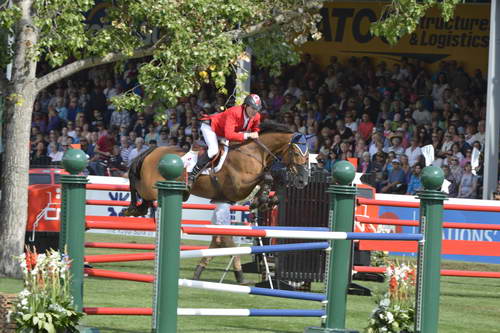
247, 165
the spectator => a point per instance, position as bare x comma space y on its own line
395, 145
415, 184
396, 179
87, 148
140, 127
139, 149
55, 154
293, 89
116, 165
125, 149
163, 140
151, 134
421, 115
365, 165
468, 183
73, 109
39, 156
152, 144
496, 194
103, 150
101, 129
120, 118
413, 152
350, 123
110, 91
344, 132
366, 127
97, 102
378, 163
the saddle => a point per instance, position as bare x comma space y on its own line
200, 147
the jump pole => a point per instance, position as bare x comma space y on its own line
71, 235
429, 251
166, 289
341, 219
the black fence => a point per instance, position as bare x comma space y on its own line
308, 207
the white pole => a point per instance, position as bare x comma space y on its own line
492, 108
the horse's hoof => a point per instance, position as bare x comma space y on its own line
185, 195
130, 212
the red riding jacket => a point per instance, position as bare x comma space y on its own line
229, 124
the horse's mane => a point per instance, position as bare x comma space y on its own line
269, 126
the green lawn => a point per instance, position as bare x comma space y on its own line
467, 304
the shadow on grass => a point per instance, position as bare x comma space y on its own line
114, 330
482, 283
478, 295
239, 328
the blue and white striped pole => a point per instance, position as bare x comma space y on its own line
250, 312
232, 288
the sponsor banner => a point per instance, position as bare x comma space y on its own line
345, 28
479, 237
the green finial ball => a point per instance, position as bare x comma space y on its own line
432, 178
343, 172
75, 161
171, 167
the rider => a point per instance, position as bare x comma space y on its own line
237, 123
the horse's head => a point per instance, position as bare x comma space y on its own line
296, 160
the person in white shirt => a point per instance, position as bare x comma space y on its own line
413, 152
293, 89
395, 145
420, 115
139, 148
349, 122
55, 154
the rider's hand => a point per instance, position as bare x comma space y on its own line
253, 135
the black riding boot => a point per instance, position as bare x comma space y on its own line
197, 272
200, 165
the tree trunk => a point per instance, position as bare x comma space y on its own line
20, 96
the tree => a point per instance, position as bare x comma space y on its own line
185, 44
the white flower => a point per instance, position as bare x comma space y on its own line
57, 308
390, 317
385, 302
24, 293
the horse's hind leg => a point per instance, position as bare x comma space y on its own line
132, 207
143, 208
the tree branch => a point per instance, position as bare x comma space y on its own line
79, 65
262, 26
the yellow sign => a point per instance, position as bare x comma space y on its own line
464, 38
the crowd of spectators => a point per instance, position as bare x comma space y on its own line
382, 115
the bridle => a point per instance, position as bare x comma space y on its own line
295, 152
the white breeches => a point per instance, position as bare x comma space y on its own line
222, 214
210, 139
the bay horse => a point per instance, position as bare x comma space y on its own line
245, 167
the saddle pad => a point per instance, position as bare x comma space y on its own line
191, 157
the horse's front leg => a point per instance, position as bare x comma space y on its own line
262, 200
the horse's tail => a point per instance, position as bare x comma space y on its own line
134, 175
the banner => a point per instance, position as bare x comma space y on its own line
345, 27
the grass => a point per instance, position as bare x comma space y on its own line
467, 304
